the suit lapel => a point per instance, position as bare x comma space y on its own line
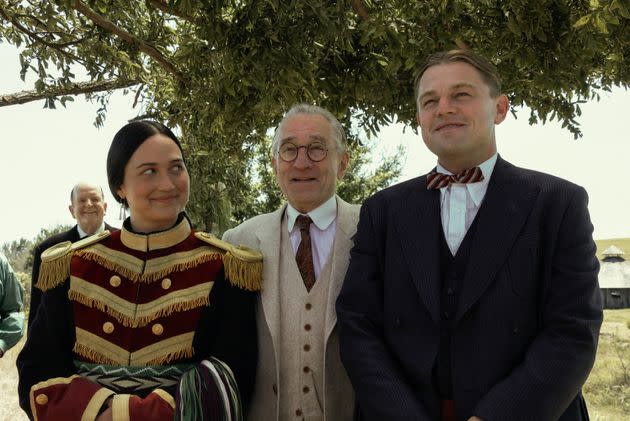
505, 208
269, 236
73, 234
346, 228
417, 223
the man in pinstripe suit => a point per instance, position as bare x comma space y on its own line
472, 291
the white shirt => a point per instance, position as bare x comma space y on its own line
459, 204
322, 231
83, 234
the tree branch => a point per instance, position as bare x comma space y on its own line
37, 38
359, 8
72, 89
163, 6
142, 45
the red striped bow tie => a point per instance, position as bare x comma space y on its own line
436, 180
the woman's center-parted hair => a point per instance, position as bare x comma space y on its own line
337, 132
126, 141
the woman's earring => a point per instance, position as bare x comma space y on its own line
122, 214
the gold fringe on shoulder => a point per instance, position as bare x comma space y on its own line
55, 266
91, 355
245, 275
243, 265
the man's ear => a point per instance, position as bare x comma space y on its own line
502, 107
274, 165
343, 165
71, 209
104, 207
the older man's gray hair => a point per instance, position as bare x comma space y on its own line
337, 131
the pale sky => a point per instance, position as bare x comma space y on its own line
45, 152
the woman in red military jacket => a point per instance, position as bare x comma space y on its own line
154, 321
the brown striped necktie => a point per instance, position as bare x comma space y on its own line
436, 180
304, 255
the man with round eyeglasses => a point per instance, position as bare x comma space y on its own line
305, 245
315, 151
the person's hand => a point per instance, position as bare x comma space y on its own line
474, 418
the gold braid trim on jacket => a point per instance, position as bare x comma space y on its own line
98, 358
128, 321
91, 355
101, 351
151, 270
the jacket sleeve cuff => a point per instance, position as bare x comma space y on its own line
67, 398
157, 405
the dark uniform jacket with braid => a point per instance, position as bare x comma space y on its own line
128, 300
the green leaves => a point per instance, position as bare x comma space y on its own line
243, 63
582, 21
604, 15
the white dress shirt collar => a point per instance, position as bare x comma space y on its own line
478, 190
83, 234
322, 216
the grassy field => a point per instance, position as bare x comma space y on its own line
607, 390
622, 243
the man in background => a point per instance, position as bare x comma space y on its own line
305, 246
87, 207
11, 314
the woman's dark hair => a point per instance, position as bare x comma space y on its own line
125, 143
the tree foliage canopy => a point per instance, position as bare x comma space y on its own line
224, 71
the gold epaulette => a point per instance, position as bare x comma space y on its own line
55, 266
243, 265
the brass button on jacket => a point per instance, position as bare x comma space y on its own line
41, 399
108, 327
157, 329
166, 283
115, 281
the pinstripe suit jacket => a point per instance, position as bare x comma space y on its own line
525, 333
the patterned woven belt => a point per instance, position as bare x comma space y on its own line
136, 380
